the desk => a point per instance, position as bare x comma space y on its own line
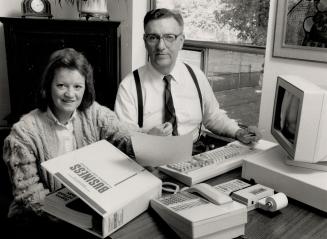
295, 221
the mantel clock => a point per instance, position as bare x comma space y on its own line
36, 8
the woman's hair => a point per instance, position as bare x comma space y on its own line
71, 59
161, 13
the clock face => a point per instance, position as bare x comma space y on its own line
37, 5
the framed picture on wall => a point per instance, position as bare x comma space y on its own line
301, 30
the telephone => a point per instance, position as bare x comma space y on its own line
202, 211
210, 193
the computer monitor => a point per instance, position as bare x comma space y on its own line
299, 121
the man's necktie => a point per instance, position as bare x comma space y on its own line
170, 115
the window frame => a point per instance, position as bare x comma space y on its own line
204, 54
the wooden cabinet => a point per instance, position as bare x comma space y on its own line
29, 43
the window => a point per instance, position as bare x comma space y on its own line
194, 55
227, 39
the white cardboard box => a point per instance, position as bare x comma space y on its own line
106, 179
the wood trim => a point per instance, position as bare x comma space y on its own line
225, 46
152, 4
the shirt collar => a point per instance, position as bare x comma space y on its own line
157, 75
54, 118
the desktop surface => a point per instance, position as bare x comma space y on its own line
297, 220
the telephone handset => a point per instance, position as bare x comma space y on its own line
210, 193
193, 216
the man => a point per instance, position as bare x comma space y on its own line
191, 101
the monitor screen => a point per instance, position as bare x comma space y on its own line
286, 115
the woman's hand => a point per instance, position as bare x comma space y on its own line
164, 129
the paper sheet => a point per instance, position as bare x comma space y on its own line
151, 150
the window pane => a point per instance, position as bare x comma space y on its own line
224, 21
235, 78
192, 57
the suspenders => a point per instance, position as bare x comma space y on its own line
196, 84
140, 98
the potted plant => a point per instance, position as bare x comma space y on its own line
89, 8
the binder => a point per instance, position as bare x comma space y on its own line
108, 181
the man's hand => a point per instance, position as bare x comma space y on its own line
249, 135
164, 129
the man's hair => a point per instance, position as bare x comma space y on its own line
66, 58
161, 13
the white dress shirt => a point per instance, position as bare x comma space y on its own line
65, 134
185, 97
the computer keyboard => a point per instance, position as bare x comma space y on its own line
210, 163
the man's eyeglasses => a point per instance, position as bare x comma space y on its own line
155, 38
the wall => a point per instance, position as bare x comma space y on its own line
315, 72
130, 13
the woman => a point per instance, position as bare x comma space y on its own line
67, 118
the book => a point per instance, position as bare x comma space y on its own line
110, 187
